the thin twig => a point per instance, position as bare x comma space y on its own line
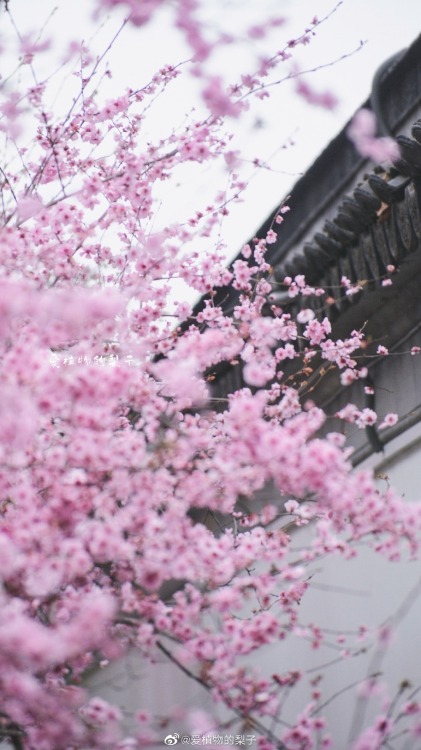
249, 719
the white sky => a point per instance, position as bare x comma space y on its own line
385, 26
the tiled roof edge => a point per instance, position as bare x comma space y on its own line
339, 164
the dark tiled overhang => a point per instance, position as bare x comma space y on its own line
349, 219
335, 170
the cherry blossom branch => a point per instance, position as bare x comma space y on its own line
249, 720
299, 73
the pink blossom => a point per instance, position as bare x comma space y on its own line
218, 101
98, 711
366, 418
257, 374
271, 237
326, 99
389, 420
291, 506
372, 738
305, 316
362, 132
29, 206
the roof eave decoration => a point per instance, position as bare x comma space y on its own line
334, 173
348, 222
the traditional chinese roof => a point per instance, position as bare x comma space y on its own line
351, 219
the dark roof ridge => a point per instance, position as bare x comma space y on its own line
338, 166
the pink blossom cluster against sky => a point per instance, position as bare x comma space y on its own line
283, 135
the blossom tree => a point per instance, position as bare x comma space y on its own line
122, 480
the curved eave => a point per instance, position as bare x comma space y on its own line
338, 166
350, 219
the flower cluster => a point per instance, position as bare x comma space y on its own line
125, 490
362, 132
